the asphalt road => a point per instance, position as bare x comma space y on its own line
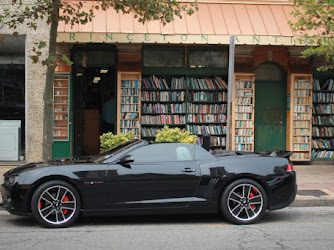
296, 227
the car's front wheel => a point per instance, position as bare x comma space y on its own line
55, 204
244, 201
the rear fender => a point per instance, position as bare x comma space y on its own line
242, 176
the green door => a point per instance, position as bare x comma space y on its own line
270, 115
62, 101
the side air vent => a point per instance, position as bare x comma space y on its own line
209, 190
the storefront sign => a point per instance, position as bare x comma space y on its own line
174, 39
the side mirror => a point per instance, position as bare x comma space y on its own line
125, 160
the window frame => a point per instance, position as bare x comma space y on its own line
185, 70
166, 143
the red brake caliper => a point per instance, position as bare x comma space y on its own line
64, 200
251, 195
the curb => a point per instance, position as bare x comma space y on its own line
312, 201
324, 197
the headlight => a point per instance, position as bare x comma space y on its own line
13, 179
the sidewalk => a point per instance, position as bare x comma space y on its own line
315, 185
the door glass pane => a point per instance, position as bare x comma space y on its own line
202, 154
164, 152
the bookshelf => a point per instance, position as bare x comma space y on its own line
323, 119
61, 102
207, 109
163, 103
243, 106
300, 121
129, 103
197, 104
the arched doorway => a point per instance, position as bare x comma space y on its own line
270, 107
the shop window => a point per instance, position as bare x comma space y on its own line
204, 57
171, 57
12, 93
12, 84
95, 56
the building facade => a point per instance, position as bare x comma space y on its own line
252, 92
22, 85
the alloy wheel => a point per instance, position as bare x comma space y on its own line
245, 202
57, 205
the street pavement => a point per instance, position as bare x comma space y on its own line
307, 224
288, 228
315, 184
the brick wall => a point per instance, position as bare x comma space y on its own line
278, 54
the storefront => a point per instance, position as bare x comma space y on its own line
133, 77
80, 93
12, 98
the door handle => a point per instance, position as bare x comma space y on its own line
188, 170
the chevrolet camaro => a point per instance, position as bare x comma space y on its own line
141, 178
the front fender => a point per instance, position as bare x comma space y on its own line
34, 176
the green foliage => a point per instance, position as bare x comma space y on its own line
109, 140
175, 135
66, 59
29, 13
54, 11
315, 27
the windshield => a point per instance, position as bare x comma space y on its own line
111, 152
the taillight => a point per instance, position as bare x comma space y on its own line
289, 168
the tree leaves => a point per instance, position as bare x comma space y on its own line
315, 26
41, 44
34, 58
147, 10
54, 11
66, 59
73, 13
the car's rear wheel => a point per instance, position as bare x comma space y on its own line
55, 204
244, 201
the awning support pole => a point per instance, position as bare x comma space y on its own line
230, 91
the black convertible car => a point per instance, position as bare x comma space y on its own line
142, 178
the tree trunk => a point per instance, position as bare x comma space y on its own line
48, 91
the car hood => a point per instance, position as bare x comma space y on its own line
51, 163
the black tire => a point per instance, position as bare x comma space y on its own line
244, 201
55, 204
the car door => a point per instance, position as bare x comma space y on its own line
161, 175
